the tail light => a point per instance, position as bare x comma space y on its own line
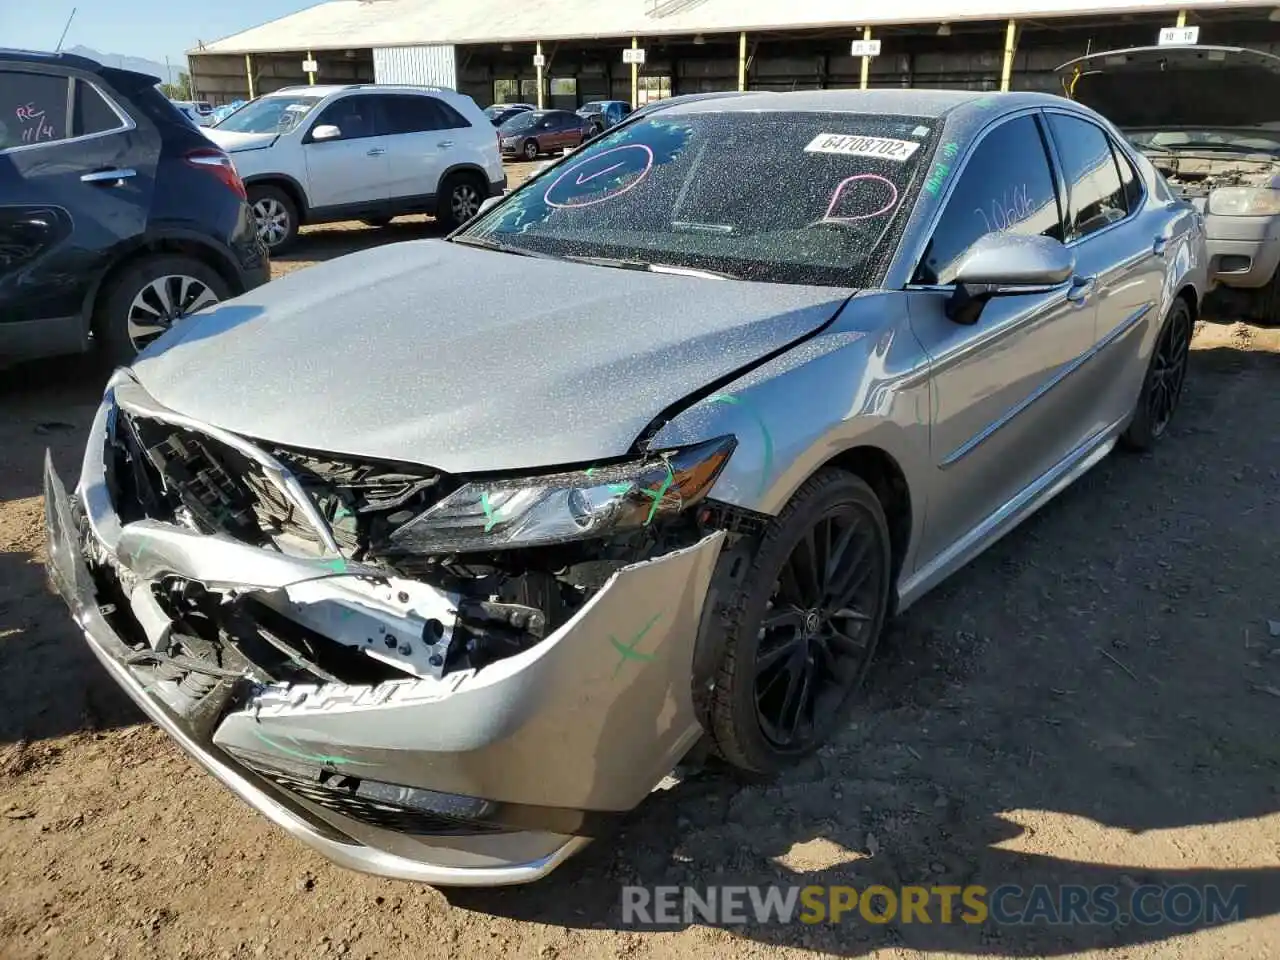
214, 161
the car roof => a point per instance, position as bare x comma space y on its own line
910, 102
74, 61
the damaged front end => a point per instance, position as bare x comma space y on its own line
447, 677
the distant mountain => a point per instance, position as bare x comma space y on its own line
139, 64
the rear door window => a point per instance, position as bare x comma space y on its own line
1096, 197
409, 114
1006, 187
33, 108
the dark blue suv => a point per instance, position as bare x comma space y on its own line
117, 216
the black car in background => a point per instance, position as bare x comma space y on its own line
500, 113
117, 216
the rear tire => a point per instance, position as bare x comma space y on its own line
148, 298
460, 197
275, 215
781, 623
1162, 387
1264, 303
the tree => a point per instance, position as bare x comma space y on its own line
180, 90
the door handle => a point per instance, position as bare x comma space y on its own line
1081, 289
1159, 245
109, 177
375, 152
445, 143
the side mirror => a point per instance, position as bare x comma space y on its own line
488, 204
326, 131
1004, 264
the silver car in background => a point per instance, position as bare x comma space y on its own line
1208, 118
441, 586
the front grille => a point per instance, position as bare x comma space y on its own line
211, 485
181, 475
408, 810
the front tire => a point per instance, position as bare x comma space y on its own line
276, 217
148, 298
530, 150
1162, 388
802, 626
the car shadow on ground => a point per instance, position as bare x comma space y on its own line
327, 241
1134, 689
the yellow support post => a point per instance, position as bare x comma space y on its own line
311, 74
742, 60
539, 69
635, 76
866, 61
1010, 47
248, 72
1182, 18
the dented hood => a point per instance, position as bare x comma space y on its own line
406, 353
1178, 86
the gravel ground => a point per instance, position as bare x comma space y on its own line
1095, 700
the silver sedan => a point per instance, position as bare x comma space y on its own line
444, 554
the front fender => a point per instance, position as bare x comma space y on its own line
861, 383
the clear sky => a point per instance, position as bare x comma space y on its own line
140, 28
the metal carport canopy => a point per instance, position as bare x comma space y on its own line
354, 24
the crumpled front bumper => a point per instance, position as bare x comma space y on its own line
532, 751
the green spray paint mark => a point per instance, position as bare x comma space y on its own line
659, 493
491, 516
766, 438
337, 565
590, 471
628, 650
305, 755
617, 488
940, 170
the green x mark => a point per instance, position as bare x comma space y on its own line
628, 650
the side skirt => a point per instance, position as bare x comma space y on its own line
1006, 517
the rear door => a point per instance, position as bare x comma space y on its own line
1007, 405
424, 133
77, 174
1117, 244
352, 169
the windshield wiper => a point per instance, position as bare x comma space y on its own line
487, 244
648, 267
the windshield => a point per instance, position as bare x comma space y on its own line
269, 115
521, 121
781, 197
1228, 141
595, 106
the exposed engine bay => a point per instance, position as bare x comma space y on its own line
1193, 175
378, 609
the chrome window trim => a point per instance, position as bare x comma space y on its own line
126, 121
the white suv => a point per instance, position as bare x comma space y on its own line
367, 152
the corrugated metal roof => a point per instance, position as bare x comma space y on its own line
348, 24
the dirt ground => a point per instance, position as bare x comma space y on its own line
1095, 700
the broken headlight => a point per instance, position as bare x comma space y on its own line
536, 511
